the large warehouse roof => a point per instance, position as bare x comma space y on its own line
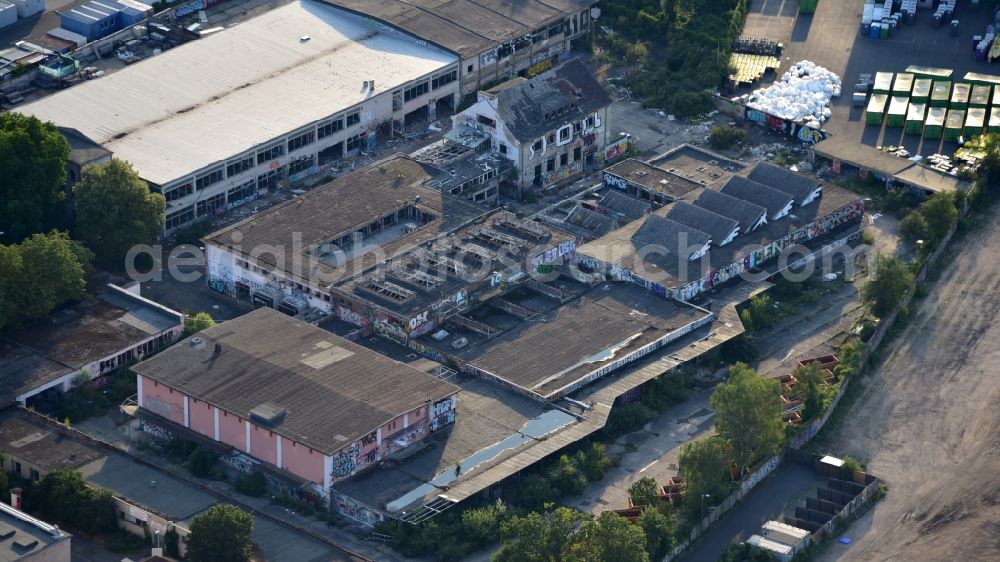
329, 391
467, 27
217, 97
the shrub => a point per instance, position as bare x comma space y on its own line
481, 525
253, 485
203, 463
722, 137
593, 461
565, 478
123, 542
535, 492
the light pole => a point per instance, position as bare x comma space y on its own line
702, 524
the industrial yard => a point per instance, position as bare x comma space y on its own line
926, 421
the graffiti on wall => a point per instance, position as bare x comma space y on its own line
347, 315
345, 461
159, 407
614, 181
241, 462
552, 255
358, 511
403, 438
442, 413
616, 148
155, 431
795, 130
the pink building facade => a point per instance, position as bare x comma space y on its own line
267, 445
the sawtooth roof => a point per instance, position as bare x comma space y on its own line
744, 212
796, 185
715, 225
757, 193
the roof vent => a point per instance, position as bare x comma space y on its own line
304, 39
268, 414
197, 343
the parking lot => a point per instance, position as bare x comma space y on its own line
831, 38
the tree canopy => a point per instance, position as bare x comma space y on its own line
197, 323
39, 274
538, 537
745, 553
608, 538
33, 159
63, 496
940, 214
220, 534
888, 283
115, 210
748, 415
704, 465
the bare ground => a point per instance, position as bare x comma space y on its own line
928, 421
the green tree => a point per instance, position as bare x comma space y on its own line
566, 478
888, 283
197, 323
115, 210
609, 538
914, 227
748, 415
660, 528
704, 465
63, 496
850, 359
940, 214
202, 462
645, 491
39, 274
535, 491
481, 525
220, 534
811, 378
593, 461
538, 537
33, 159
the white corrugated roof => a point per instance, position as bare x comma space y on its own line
216, 97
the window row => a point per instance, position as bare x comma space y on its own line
444, 79
416, 91
210, 178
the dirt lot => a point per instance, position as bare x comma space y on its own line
927, 422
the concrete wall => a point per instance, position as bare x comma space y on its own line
138, 520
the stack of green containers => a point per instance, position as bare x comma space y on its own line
915, 118
883, 83
980, 96
930, 72
921, 90
876, 109
954, 123
897, 111
940, 94
975, 119
993, 125
808, 6
903, 84
934, 125
960, 96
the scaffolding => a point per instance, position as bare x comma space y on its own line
530, 229
386, 289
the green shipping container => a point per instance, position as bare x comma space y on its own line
915, 118
943, 74
921, 90
996, 95
960, 96
883, 82
903, 84
953, 125
897, 111
993, 125
876, 109
980, 96
981, 79
934, 124
940, 94
975, 119
808, 6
